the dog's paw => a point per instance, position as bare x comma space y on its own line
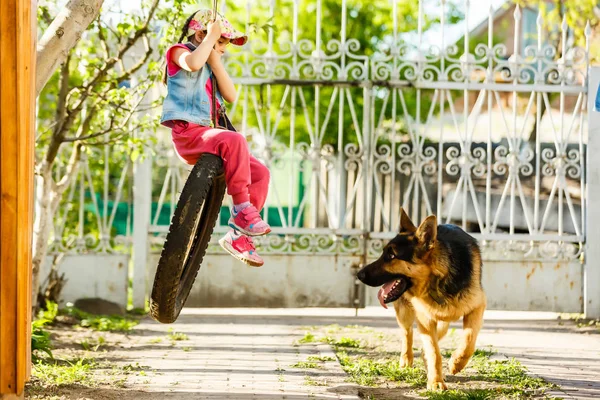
436, 385
406, 360
457, 363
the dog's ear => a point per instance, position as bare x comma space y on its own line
406, 224
427, 232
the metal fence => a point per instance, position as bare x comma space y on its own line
488, 135
492, 139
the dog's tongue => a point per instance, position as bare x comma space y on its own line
385, 289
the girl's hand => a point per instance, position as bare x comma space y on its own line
214, 59
214, 30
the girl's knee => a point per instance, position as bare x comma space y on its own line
236, 140
233, 144
263, 174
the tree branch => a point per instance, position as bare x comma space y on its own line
139, 65
62, 35
110, 129
140, 32
102, 39
88, 88
62, 95
46, 17
115, 139
71, 169
61, 112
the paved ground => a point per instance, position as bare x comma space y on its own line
249, 353
563, 354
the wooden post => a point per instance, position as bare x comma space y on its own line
17, 113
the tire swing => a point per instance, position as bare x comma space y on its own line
191, 227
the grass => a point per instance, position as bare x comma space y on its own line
589, 323
108, 324
176, 336
474, 394
41, 343
309, 337
344, 342
510, 376
487, 353
507, 372
485, 378
580, 320
130, 368
280, 374
40, 338
321, 358
312, 382
50, 374
305, 365
138, 311
369, 372
50, 313
91, 345
120, 383
102, 323
64, 373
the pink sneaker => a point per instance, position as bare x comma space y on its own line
249, 222
242, 248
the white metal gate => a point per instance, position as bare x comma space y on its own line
488, 135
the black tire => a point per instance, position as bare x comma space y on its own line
188, 237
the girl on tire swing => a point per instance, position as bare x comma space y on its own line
187, 110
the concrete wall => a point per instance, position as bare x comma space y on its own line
92, 275
284, 281
319, 281
527, 286
328, 281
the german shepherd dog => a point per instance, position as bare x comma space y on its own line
432, 274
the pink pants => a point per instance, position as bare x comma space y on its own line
247, 179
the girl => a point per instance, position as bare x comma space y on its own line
188, 111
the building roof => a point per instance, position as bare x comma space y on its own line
500, 12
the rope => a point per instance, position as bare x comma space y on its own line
214, 14
213, 79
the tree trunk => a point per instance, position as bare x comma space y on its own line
533, 133
48, 195
41, 227
62, 35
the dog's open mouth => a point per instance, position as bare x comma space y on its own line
392, 291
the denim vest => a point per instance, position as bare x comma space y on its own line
187, 99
